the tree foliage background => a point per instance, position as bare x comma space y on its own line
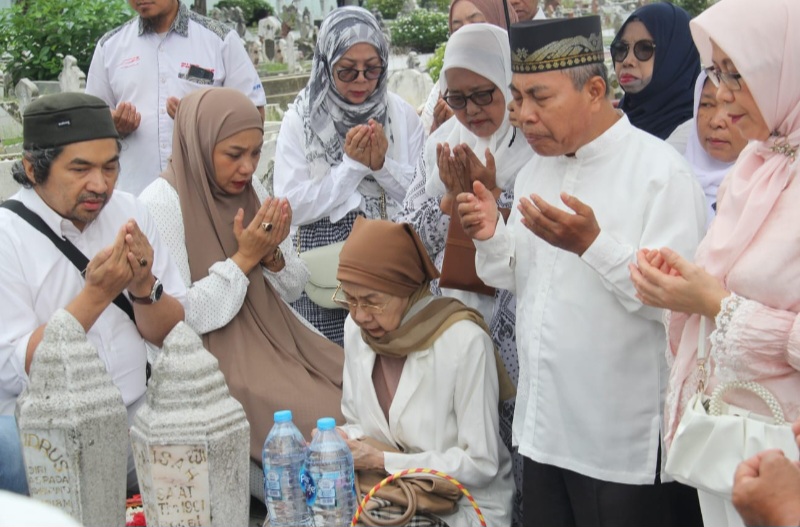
693, 7
39, 33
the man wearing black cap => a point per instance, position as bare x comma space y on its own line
592, 366
68, 240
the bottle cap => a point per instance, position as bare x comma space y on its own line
326, 423
283, 416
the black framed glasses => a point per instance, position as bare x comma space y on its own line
643, 50
371, 73
480, 98
732, 81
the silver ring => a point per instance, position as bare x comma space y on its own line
142, 262
360, 149
267, 226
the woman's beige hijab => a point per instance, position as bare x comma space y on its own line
270, 360
391, 258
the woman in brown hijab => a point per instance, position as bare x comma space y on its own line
270, 359
420, 372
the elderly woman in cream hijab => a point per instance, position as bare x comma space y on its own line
744, 281
226, 236
421, 373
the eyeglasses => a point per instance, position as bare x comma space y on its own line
480, 98
373, 309
730, 80
643, 50
350, 74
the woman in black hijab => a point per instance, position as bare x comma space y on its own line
657, 64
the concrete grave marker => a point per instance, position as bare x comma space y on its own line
71, 78
74, 428
191, 440
26, 91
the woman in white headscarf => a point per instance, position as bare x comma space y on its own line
475, 79
714, 143
347, 146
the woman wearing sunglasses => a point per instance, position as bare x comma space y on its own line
745, 279
657, 64
479, 143
347, 146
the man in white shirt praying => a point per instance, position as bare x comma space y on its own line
592, 356
143, 68
69, 168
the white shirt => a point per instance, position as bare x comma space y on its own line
214, 300
36, 279
443, 416
136, 65
340, 190
592, 370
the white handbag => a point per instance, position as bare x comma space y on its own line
323, 263
713, 437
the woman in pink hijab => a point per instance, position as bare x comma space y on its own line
745, 278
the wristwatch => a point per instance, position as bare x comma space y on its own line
155, 294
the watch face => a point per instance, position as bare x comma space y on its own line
158, 289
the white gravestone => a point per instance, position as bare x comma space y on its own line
71, 78
412, 85
191, 441
26, 91
74, 428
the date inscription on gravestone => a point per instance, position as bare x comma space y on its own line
50, 476
180, 484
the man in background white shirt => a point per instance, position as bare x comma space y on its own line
527, 9
592, 357
143, 68
69, 168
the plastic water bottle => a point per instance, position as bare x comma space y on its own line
284, 459
330, 487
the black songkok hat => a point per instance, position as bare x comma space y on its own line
66, 118
555, 44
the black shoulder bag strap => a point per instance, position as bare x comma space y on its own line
74, 254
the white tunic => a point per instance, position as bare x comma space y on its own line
592, 370
36, 279
214, 300
443, 416
340, 190
132, 64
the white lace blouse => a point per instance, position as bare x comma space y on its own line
217, 298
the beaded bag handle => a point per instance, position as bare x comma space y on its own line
406, 472
715, 405
715, 402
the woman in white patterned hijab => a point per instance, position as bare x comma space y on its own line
347, 147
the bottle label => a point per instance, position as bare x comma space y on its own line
273, 484
309, 488
326, 488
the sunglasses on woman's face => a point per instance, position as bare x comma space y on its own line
643, 50
371, 73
